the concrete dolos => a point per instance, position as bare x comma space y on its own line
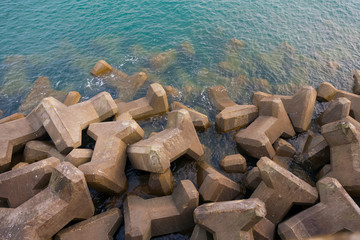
231, 219
280, 189
105, 172
163, 215
232, 115
64, 124
273, 122
335, 212
19, 185
99, 227
155, 102
66, 198
157, 152
16, 133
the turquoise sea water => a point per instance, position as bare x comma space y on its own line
288, 43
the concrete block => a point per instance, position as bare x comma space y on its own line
161, 183
72, 98
316, 153
219, 97
200, 233
12, 117
326, 92
101, 67
19, 185
157, 152
215, 187
235, 163
230, 219
284, 148
264, 230
280, 189
41, 217
200, 121
163, 215
102, 226
356, 77
65, 124
335, 212
337, 110
79, 156
273, 122
20, 165
37, 150
106, 171
253, 179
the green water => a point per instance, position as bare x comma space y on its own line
288, 43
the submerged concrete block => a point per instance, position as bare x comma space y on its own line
16, 133
337, 110
273, 122
161, 183
231, 219
343, 138
38, 150
155, 102
335, 212
65, 124
280, 189
200, 121
284, 148
79, 156
12, 117
157, 152
163, 215
299, 107
66, 198
99, 227
233, 163
106, 171
19, 185
215, 187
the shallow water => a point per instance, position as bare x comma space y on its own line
288, 43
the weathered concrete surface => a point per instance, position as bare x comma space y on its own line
72, 98
273, 122
19, 185
155, 102
328, 92
299, 107
161, 183
200, 233
12, 117
158, 216
235, 163
337, 110
66, 198
219, 97
79, 156
126, 85
344, 140
335, 212
20, 165
280, 189
230, 219
65, 124
215, 187
41, 89
235, 117
316, 153
323, 172
356, 77
105, 172
38, 150
253, 179
200, 121
264, 230
284, 148
16, 133
157, 152
338, 236
99, 227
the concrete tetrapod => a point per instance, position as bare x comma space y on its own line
12, 117
200, 121
230, 220
99, 227
64, 124
335, 212
343, 138
16, 133
299, 107
155, 102
337, 110
19, 185
232, 115
66, 198
38, 150
157, 152
163, 215
79, 156
161, 183
280, 189
106, 171
273, 122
